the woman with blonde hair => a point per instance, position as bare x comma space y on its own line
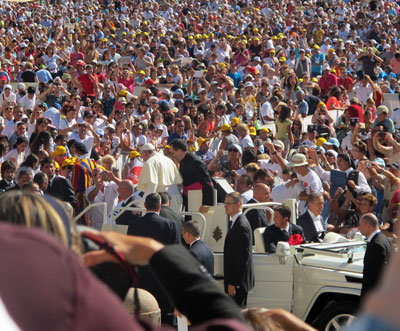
33, 211
188, 126
176, 75
108, 162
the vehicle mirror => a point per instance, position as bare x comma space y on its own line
282, 251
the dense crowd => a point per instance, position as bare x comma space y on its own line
115, 101
236, 81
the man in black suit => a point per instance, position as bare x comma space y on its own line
8, 169
154, 226
194, 173
125, 194
58, 186
257, 217
377, 253
167, 212
238, 256
282, 230
200, 250
311, 221
24, 175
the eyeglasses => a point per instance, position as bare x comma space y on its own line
77, 99
9, 108
233, 150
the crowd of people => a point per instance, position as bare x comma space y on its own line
117, 101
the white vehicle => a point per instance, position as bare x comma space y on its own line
319, 283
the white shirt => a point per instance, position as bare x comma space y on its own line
246, 142
317, 222
272, 167
246, 196
311, 182
28, 103
372, 235
346, 142
280, 192
8, 128
267, 110
235, 217
361, 186
88, 141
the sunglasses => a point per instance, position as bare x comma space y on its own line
233, 150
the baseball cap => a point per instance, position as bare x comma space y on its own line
133, 154
226, 127
235, 121
60, 150
382, 109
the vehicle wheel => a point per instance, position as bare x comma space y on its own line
337, 315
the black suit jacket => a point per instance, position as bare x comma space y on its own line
203, 254
165, 231
376, 257
126, 216
257, 218
272, 235
62, 189
238, 255
4, 186
172, 215
154, 226
307, 223
193, 170
194, 292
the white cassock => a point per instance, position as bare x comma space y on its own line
160, 174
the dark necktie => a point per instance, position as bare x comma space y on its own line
285, 235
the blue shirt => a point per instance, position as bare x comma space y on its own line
43, 75
176, 136
316, 63
235, 77
208, 156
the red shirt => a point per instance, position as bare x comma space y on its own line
128, 83
87, 84
356, 111
75, 57
326, 82
346, 82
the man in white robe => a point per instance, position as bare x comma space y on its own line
159, 174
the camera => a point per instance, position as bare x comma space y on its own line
382, 134
82, 125
368, 165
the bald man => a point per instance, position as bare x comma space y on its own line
126, 197
257, 217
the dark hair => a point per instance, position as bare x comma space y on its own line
43, 138
30, 161
284, 211
153, 201
249, 181
46, 160
165, 197
20, 140
260, 174
179, 144
7, 165
284, 113
191, 227
40, 178
249, 156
